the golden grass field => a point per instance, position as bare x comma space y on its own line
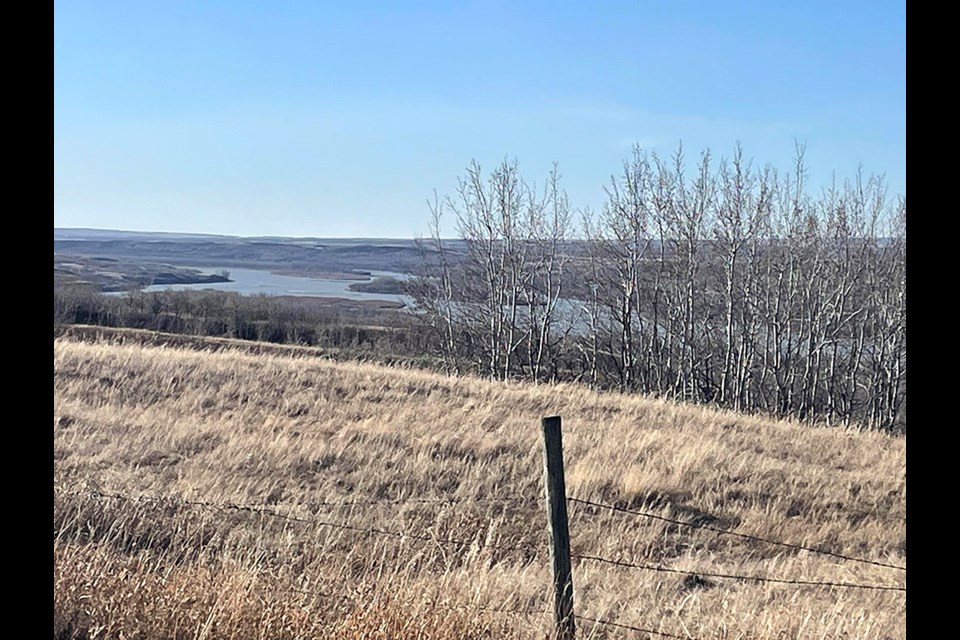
286, 434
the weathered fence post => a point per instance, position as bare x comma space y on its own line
559, 532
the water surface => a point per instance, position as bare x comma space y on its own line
255, 281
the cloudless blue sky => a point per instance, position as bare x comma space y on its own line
340, 119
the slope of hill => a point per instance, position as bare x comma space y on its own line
227, 494
290, 254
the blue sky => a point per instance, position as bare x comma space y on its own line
340, 119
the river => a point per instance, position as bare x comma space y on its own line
255, 281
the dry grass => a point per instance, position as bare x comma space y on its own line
291, 433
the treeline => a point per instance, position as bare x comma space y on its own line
730, 284
231, 315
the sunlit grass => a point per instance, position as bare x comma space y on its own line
292, 432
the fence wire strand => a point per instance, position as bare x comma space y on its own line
735, 534
400, 535
326, 503
662, 634
732, 576
440, 605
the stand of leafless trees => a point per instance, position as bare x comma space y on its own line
726, 284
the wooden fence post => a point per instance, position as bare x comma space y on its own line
559, 532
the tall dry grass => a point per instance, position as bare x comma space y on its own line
290, 434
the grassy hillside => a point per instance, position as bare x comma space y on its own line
225, 494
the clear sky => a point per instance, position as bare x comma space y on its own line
340, 119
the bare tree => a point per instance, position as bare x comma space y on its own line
548, 224
734, 286
623, 244
433, 290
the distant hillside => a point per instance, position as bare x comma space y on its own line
117, 234
298, 254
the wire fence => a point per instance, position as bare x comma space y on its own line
512, 501
271, 512
404, 535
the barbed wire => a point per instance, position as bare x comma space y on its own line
314, 521
433, 603
811, 583
663, 634
449, 500
736, 534
513, 611
343, 503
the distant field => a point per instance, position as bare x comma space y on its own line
271, 487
